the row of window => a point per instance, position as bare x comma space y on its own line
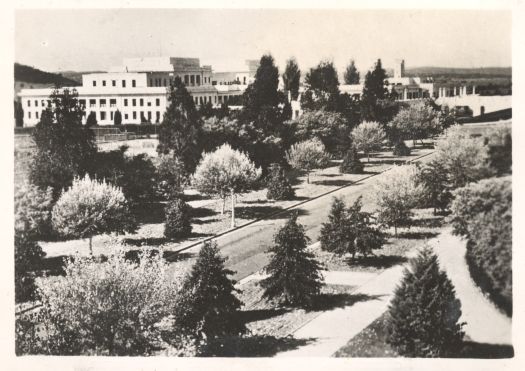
144, 115
114, 83
42, 103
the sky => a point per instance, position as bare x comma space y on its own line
87, 40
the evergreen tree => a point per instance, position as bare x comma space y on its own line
28, 255
351, 163
180, 129
207, 305
436, 184
336, 235
374, 91
401, 149
64, 147
367, 236
279, 187
19, 114
117, 118
178, 219
91, 119
294, 273
322, 88
351, 74
291, 78
424, 313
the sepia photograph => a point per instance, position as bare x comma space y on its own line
239, 183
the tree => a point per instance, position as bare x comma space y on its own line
207, 306
33, 210
322, 88
418, 121
225, 172
171, 176
178, 219
91, 120
90, 207
291, 78
368, 137
436, 185
19, 114
434, 331
264, 89
180, 129
367, 236
351, 163
279, 187
64, 147
28, 254
308, 155
115, 305
329, 127
294, 273
117, 118
465, 159
374, 91
397, 192
351, 74
401, 149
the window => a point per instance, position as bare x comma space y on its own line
102, 103
123, 83
28, 115
94, 82
186, 80
198, 80
125, 116
192, 80
196, 100
151, 82
157, 116
28, 103
111, 115
36, 114
103, 82
113, 82
141, 102
157, 102
43, 103
164, 82
149, 104
92, 102
134, 115
133, 102
102, 116
149, 115
81, 101
133, 83
125, 102
49, 103
36, 103
112, 102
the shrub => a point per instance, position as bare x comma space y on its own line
108, 308
279, 187
33, 210
207, 306
401, 149
178, 219
397, 192
28, 255
171, 176
424, 313
351, 163
434, 178
294, 273
90, 207
91, 120
308, 155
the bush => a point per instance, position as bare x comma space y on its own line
401, 149
351, 163
207, 306
483, 213
108, 308
279, 187
424, 313
178, 219
294, 273
28, 255
33, 210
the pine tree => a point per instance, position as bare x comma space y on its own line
401, 149
351, 163
424, 313
91, 119
19, 114
178, 219
374, 91
336, 235
351, 74
367, 236
279, 187
117, 119
294, 273
27, 256
291, 78
437, 188
207, 305
180, 129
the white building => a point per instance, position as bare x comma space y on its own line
138, 89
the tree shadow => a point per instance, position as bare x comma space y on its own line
204, 221
251, 202
409, 235
324, 302
334, 182
55, 266
254, 315
472, 349
146, 241
202, 212
253, 346
149, 213
435, 222
376, 261
256, 212
173, 256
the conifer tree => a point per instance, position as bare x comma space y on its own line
294, 273
424, 313
279, 187
207, 305
336, 235
91, 119
351, 74
291, 78
178, 219
351, 163
367, 236
117, 119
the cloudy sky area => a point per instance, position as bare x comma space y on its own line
84, 40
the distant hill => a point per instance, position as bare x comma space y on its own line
77, 76
31, 75
436, 72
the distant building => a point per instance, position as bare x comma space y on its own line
138, 89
